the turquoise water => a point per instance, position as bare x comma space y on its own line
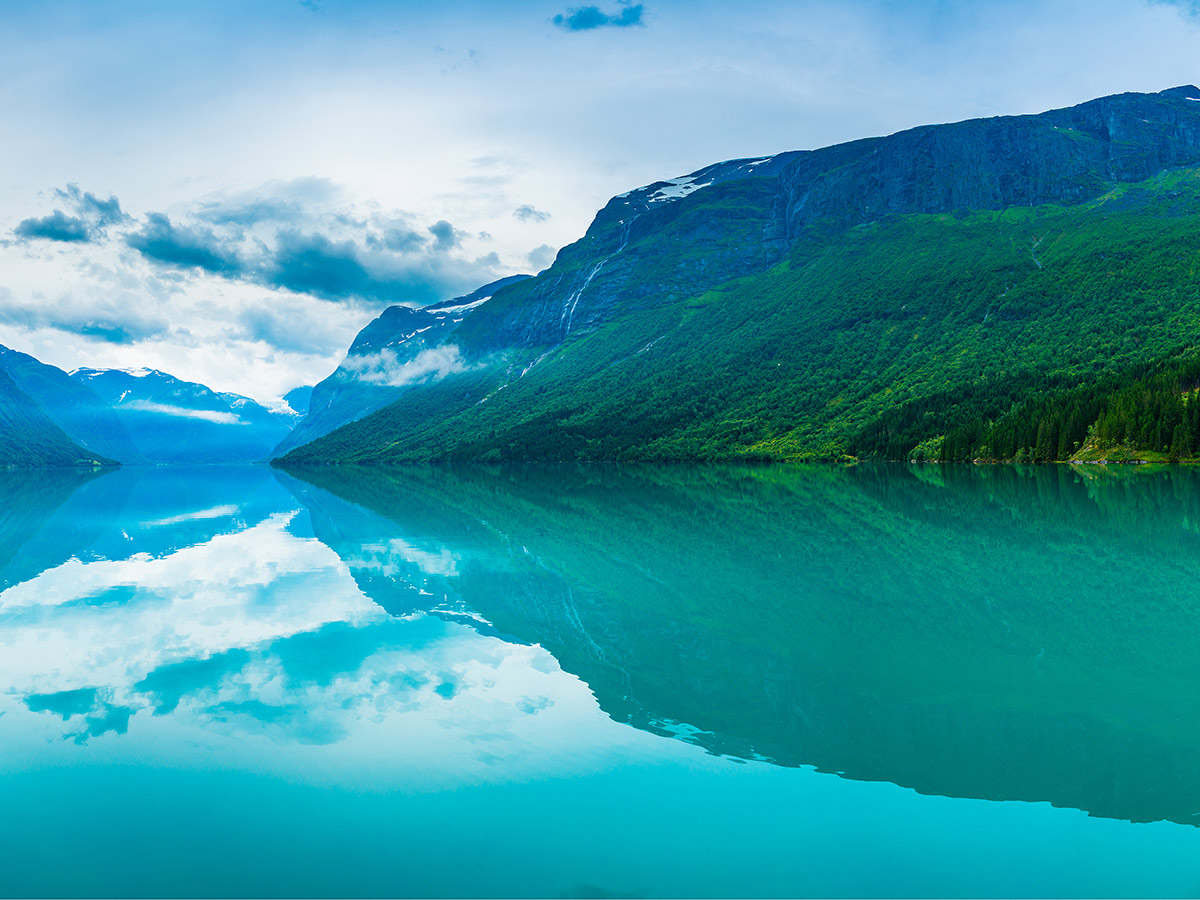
715, 681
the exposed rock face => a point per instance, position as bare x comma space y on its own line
1062, 156
680, 237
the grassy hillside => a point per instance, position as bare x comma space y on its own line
874, 341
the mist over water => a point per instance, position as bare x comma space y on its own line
637, 681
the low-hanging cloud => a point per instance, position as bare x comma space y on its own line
586, 18
541, 257
183, 412
384, 368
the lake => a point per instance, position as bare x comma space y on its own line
600, 681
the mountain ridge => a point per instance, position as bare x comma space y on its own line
752, 308
384, 359
131, 416
30, 438
816, 186
171, 420
71, 406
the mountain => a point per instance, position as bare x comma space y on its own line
299, 399
174, 421
72, 406
878, 298
131, 416
402, 348
28, 437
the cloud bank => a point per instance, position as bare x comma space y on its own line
278, 277
92, 217
116, 317
182, 412
159, 241
294, 236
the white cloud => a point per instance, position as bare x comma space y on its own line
165, 409
385, 368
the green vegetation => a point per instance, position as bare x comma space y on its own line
1149, 413
29, 438
1037, 333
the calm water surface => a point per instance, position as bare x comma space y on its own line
597, 681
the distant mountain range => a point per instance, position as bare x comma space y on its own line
127, 416
174, 421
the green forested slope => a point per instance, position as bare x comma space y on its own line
29, 438
872, 340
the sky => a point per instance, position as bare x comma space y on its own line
229, 191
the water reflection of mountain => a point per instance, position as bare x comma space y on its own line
990, 633
27, 499
48, 516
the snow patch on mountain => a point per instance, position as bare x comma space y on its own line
445, 310
677, 188
138, 372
